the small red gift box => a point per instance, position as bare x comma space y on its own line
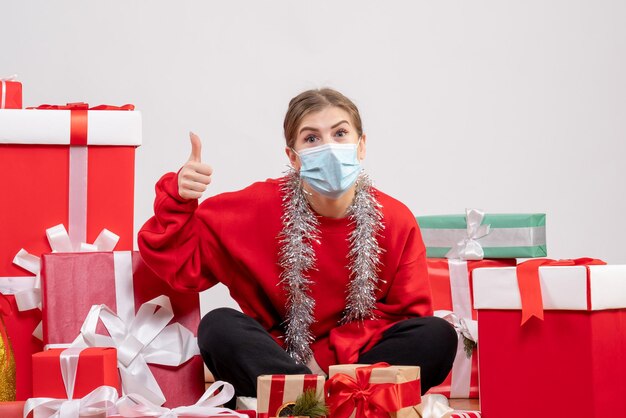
274, 391
571, 363
51, 180
10, 93
12, 409
93, 368
121, 281
451, 284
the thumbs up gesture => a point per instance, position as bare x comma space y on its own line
195, 176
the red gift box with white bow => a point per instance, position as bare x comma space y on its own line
112, 299
73, 166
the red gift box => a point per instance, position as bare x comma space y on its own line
10, 93
95, 367
571, 363
12, 409
274, 391
48, 180
121, 281
450, 282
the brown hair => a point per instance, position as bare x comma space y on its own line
314, 101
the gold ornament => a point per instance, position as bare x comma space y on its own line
7, 366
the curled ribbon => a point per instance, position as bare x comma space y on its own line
530, 286
469, 248
146, 339
346, 394
59, 240
135, 405
100, 400
434, 406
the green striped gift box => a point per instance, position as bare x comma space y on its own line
510, 236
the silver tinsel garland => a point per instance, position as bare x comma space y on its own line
300, 230
364, 252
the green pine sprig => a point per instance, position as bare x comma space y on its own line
308, 404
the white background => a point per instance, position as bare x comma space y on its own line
508, 106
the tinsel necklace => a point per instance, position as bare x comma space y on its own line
297, 257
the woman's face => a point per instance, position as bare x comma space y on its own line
329, 125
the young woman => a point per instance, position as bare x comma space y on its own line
326, 268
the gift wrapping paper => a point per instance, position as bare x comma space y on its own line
351, 381
274, 391
48, 180
568, 364
121, 281
10, 93
96, 367
509, 235
451, 287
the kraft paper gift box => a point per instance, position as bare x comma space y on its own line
10, 93
451, 284
571, 363
93, 367
71, 167
274, 391
507, 235
73, 282
392, 389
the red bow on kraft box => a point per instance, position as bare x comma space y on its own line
374, 391
530, 287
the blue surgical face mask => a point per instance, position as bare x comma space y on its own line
330, 169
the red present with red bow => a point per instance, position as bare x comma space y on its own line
10, 93
117, 301
72, 166
277, 390
373, 391
556, 329
451, 286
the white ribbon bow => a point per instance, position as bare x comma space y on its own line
146, 339
29, 297
100, 400
135, 405
9, 78
466, 327
469, 248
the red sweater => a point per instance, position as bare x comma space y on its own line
232, 238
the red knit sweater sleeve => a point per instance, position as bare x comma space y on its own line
175, 243
406, 293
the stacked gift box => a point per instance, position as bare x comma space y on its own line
457, 245
68, 183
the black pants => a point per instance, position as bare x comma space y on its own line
237, 349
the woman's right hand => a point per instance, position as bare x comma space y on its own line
195, 176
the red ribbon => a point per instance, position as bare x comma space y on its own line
530, 287
371, 400
82, 106
79, 118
